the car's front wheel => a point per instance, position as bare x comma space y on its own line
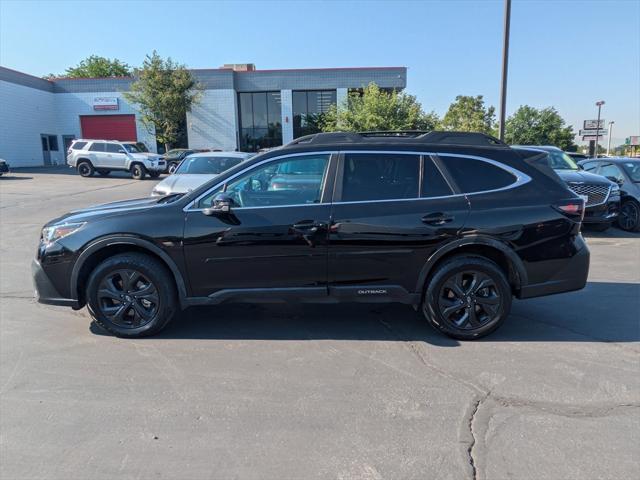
131, 295
629, 218
467, 297
138, 171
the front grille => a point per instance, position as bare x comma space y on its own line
597, 194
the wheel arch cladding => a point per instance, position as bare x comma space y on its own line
491, 249
104, 248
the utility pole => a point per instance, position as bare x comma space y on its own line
599, 105
609, 139
505, 67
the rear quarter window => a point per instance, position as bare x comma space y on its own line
474, 175
78, 145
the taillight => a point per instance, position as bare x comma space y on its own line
573, 208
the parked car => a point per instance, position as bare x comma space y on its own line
577, 156
197, 169
625, 172
453, 224
4, 167
105, 156
602, 197
175, 156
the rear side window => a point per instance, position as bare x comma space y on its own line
96, 147
380, 176
472, 175
78, 145
433, 183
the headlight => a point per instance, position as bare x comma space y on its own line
56, 232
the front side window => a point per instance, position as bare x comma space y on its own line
289, 181
590, 166
130, 147
633, 170
380, 176
207, 165
473, 175
96, 147
612, 172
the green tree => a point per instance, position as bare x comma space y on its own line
164, 92
531, 126
469, 114
96, 66
375, 110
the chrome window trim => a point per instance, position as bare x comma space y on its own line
188, 207
521, 178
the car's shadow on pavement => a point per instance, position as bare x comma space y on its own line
602, 312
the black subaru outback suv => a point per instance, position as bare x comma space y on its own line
453, 224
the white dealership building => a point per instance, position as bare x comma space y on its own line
240, 108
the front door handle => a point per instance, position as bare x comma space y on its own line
308, 229
437, 218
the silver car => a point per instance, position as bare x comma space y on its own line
197, 169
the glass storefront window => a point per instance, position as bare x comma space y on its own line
260, 120
308, 107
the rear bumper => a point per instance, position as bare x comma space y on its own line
568, 279
45, 291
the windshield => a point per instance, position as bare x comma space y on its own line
561, 161
131, 148
632, 168
207, 165
176, 152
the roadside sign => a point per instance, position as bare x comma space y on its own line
590, 138
593, 132
634, 140
593, 124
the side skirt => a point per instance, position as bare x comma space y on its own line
338, 294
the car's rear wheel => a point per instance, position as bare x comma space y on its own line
103, 173
131, 295
138, 171
467, 297
85, 169
629, 218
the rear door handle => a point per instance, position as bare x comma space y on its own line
437, 218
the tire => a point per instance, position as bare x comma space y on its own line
599, 227
629, 218
154, 174
85, 169
480, 310
138, 172
103, 173
131, 295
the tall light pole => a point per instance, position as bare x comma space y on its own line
599, 104
609, 139
505, 67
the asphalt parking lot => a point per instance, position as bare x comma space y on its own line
320, 391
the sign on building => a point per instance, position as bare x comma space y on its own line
105, 103
593, 124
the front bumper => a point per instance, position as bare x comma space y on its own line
605, 213
571, 277
156, 167
45, 291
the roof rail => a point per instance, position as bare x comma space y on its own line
446, 138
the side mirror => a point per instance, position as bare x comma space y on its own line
619, 181
222, 203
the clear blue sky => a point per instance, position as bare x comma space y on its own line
566, 54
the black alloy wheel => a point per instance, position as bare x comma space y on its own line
629, 218
128, 298
132, 295
138, 171
467, 297
85, 169
469, 300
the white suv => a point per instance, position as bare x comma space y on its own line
103, 156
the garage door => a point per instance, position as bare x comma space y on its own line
109, 127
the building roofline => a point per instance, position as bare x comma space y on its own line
27, 74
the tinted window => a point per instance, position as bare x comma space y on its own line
433, 183
114, 148
96, 147
473, 175
611, 171
207, 165
380, 176
292, 181
78, 145
633, 170
590, 166
130, 147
